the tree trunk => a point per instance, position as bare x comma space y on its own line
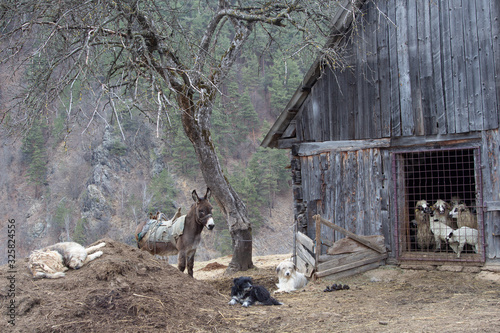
195, 121
242, 254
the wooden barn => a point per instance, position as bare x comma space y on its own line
412, 115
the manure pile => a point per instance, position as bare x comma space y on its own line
125, 290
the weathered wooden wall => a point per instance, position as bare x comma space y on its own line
491, 191
420, 67
349, 187
420, 71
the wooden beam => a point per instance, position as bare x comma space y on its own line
351, 265
492, 206
307, 242
353, 271
314, 148
357, 238
339, 260
305, 267
430, 140
318, 238
327, 242
286, 143
306, 256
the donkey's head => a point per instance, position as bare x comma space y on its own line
203, 210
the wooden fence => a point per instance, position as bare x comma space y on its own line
367, 253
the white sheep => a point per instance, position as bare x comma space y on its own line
425, 238
441, 211
464, 216
464, 235
455, 200
440, 231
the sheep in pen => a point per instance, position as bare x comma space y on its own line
442, 191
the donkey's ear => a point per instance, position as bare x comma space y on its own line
195, 196
208, 194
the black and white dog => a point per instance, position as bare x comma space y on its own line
245, 292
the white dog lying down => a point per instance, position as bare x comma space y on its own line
289, 278
52, 261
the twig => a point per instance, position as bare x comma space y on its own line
221, 314
156, 299
72, 322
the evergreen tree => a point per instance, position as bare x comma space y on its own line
248, 120
224, 132
266, 171
286, 78
35, 154
163, 190
248, 190
252, 72
184, 157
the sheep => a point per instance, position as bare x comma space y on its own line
464, 217
440, 231
455, 200
441, 212
425, 238
464, 235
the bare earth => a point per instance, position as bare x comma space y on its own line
127, 290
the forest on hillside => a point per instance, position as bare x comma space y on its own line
72, 179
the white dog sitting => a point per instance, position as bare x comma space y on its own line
52, 261
289, 278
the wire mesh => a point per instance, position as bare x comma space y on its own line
437, 194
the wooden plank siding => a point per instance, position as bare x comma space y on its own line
424, 68
494, 27
489, 60
346, 187
446, 59
395, 117
438, 88
383, 66
419, 75
491, 190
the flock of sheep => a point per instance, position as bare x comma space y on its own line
452, 223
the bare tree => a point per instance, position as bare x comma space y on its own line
143, 55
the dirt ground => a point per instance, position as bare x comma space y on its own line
127, 290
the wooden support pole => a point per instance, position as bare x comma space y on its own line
294, 256
318, 239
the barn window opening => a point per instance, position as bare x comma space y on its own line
438, 205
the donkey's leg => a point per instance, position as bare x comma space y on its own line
181, 260
190, 262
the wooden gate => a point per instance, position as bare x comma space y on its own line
351, 255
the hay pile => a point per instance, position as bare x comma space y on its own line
124, 290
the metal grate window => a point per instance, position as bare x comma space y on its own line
427, 180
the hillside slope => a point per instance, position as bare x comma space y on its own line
99, 186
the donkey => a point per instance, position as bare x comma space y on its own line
199, 216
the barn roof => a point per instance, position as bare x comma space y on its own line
341, 23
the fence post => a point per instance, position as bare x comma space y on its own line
318, 240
